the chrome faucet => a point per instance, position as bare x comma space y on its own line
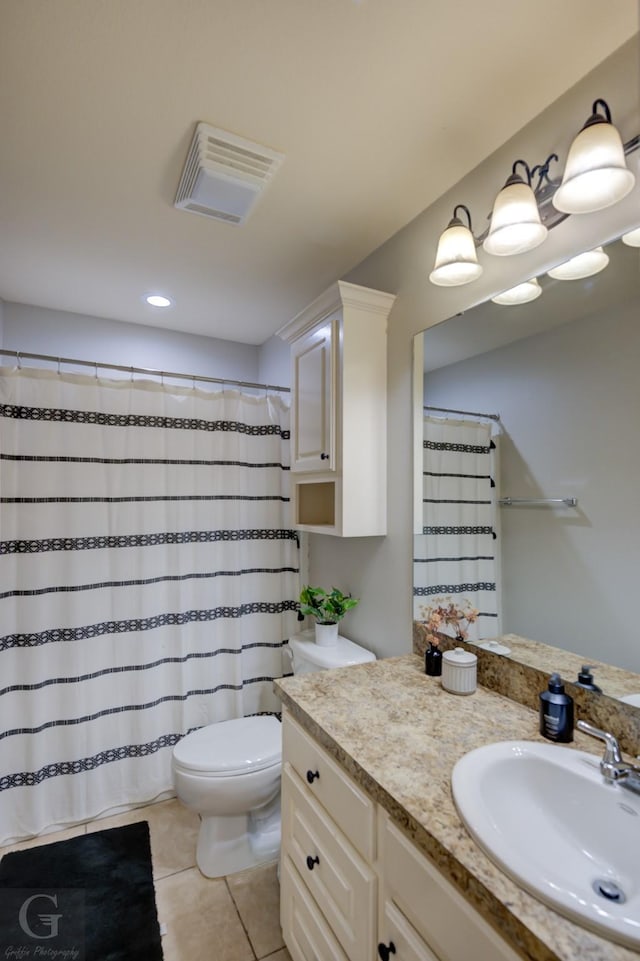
612, 767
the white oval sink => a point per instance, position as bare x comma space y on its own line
546, 816
633, 699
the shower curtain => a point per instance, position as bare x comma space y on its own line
456, 554
149, 582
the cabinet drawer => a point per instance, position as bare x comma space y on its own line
342, 884
452, 928
331, 786
307, 935
396, 930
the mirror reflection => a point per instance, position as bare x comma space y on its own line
532, 514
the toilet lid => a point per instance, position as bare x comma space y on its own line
232, 747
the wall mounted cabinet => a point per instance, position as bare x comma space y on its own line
339, 412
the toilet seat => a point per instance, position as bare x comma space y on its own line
228, 748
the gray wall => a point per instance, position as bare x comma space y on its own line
275, 362
568, 399
39, 330
378, 570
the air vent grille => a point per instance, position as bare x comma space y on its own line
224, 174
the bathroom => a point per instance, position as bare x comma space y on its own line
380, 567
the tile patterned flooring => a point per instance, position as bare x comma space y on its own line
228, 919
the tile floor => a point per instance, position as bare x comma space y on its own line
228, 919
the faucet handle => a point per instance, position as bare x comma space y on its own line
612, 753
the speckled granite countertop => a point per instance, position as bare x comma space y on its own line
399, 734
614, 681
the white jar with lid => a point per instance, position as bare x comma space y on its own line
459, 670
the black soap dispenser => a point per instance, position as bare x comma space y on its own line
433, 660
585, 679
556, 712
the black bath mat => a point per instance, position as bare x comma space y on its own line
90, 898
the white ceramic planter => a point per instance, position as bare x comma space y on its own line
326, 635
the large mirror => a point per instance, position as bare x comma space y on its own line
559, 533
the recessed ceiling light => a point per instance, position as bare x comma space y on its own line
157, 300
586, 264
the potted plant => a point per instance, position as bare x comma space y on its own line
327, 608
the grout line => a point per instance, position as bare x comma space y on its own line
172, 874
244, 928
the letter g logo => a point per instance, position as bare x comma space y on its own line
47, 920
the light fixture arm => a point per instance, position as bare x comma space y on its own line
515, 176
456, 219
595, 116
544, 180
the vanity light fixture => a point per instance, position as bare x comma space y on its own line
632, 239
157, 300
456, 258
596, 175
515, 222
586, 264
520, 294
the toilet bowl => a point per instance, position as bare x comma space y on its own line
229, 773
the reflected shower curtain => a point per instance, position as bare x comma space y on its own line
456, 553
149, 582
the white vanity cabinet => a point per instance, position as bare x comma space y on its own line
353, 887
339, 411
328, 886
422, 915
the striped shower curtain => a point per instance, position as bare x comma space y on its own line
455, 555
149, 582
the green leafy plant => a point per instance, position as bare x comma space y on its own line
327, 608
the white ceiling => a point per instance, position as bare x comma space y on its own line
379, 106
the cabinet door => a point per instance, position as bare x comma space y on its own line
399, 938
451, 928
313, 400
342, 884
307, 934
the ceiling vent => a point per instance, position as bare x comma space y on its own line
224, 175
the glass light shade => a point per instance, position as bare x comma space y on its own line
596, 175
515, 222
520, 294
456, 259
582, 265
632, 239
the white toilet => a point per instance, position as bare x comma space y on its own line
229, 772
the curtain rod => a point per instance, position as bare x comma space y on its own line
466, 413
20, 355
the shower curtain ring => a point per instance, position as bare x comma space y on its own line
131, 369
95, 364
19, 360
58, 366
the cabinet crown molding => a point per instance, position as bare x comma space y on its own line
339, 295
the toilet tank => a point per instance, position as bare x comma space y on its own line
307, 656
